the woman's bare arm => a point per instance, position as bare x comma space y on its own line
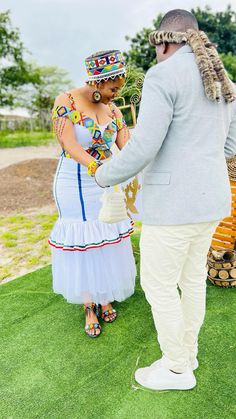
65, 134
123, 134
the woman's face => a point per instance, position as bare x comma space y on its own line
110, 89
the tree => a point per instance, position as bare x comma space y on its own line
51, 81
219, 26
141, 55
22, 83
229, 61
14, 71
40, 95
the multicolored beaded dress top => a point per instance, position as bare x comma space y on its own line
101, 141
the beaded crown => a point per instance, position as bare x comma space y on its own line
105, 65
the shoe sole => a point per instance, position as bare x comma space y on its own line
172, 387
92, 336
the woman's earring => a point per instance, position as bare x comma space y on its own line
97, 96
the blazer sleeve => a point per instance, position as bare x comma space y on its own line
155, 116
230, 144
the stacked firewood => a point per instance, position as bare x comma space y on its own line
221, 266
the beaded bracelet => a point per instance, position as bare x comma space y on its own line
92, 167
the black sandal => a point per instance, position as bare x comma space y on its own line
92, 326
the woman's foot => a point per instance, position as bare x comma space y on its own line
109, 314
92, 327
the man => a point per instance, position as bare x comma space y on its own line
187, 118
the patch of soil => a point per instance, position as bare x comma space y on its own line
27, 185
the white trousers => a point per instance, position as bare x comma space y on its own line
173, 277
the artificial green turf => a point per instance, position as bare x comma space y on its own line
50, 369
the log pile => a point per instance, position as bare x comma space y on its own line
221, 267
221, 260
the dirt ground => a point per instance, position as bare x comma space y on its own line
15, 155
26, 177
27, 209
27, 185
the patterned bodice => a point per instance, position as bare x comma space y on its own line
96, 139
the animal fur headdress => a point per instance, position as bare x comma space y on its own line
214, 77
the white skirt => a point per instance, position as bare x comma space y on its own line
91, 260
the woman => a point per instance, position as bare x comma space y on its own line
92, 262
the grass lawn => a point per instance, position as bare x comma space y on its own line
23, 243
22, 138
51, 369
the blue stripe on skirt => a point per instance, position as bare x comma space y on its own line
80, 193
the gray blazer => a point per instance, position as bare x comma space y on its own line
180, 142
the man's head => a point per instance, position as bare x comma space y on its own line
179, 27
176, 20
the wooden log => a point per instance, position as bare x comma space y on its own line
233, 283
225, 224
213, 272
217, 244
218, 283
233, 273
227, 239
225, 283
223, 274
227, 265
218, 265
212, 280
210, 264
226, 232
227, 220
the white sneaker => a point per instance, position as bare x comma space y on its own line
160, 378
194, 364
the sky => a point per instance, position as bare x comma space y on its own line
64, 32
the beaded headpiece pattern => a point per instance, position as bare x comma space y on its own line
104, 66
215, 79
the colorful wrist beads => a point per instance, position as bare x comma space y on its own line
92, 167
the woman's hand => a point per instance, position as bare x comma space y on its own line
122, 137
123, 134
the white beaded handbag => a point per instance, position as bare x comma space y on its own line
113, 207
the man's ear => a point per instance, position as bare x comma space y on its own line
165, 48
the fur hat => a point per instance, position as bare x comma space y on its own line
215, 79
